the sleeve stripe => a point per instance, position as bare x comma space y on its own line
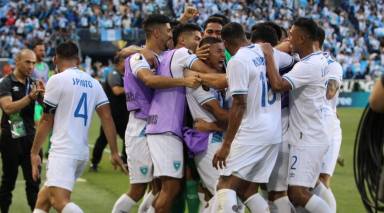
191, 62
206, 100
101, 103
50, 103
239, 92
290, 81
142, 67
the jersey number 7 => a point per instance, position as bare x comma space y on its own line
82, 109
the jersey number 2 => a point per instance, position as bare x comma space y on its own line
81, 109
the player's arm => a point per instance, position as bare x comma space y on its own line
212, 80
118, 90
148, 54
236, 113
219, 113
376, 100
278, 84
162, 82
43, 129
332, 87
104, 112
9, 106
204, 126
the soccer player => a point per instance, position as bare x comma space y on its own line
71, 98
307, 130
207, 104
334, 77
277, 186
139, 80
251, 143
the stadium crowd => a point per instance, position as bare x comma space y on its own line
354, 30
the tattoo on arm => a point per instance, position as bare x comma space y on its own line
332, 87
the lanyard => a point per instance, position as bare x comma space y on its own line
27, 86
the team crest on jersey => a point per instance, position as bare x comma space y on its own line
138, 57
176, 164
15, 88
144, 170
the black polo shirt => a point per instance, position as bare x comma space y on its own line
117, 102
10, 86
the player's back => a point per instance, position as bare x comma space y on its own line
76, 95
261, 121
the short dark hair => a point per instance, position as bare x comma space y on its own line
210, 40
284, 32
265, 33
233, 32
36, 42
273, 25
213, 19
183, 28
320, 36
309, 26
154, 20
67, 50
223, 18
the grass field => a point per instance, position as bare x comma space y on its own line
96, 192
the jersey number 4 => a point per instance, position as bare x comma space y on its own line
82, 109
267, 94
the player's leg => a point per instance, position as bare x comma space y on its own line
168, 161
278, 183
9, 149
97, 153
304, 168
140, 172
62, 173
43, 203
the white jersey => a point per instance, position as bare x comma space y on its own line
334, 72
307, 124
246, 73
76, 95
196, 98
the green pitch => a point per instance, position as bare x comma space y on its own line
97, 192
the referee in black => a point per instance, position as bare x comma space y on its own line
18, 93
114, 89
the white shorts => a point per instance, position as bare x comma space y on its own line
62, 172
252, 163
209, 175
278, 181
138, 159
330, 158
167, 155
305, 164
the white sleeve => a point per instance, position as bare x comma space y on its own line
335, 72
182, 58
238, 77
138, 62
101, 97
202, 96
53, 91
283, 59
300, 75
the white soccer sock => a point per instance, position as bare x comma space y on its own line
226, 201
124, 203
256, 203
327, 195
203, 203
39, 211
281, 205
317, 205
147, 202
71, 208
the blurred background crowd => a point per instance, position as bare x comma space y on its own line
354, 29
